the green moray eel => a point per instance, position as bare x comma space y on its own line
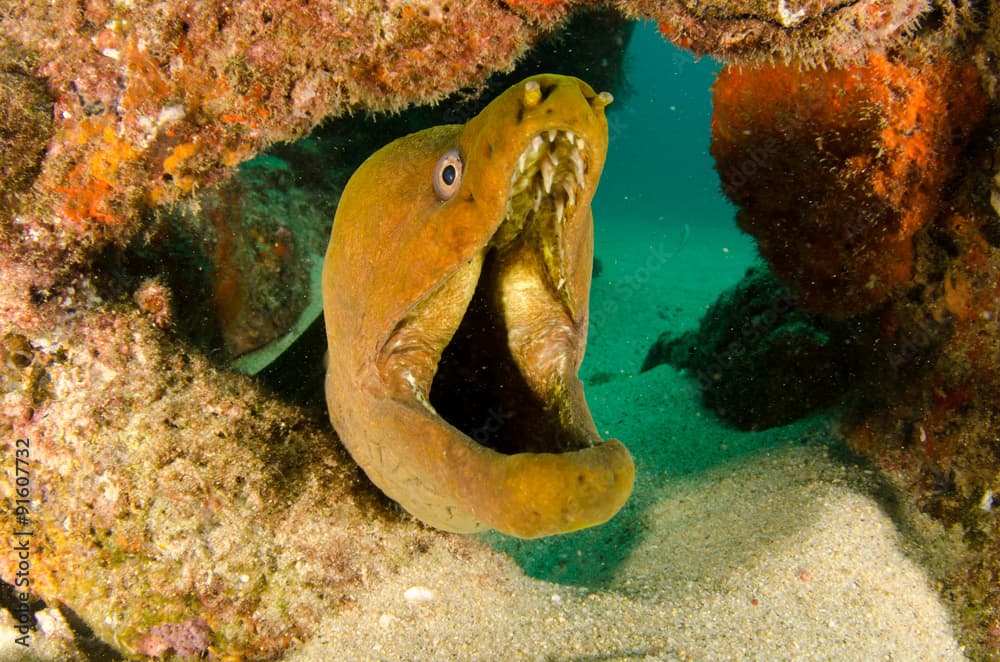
455, 293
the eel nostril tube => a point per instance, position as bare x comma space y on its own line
532, 94
602, 100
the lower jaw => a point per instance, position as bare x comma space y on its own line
523, 454
468, 487
529, 495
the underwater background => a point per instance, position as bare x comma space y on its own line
809, 485
658, 168
735, 544
722, 522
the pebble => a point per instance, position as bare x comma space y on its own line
419, 595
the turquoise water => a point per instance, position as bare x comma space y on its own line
664, 233
659, 171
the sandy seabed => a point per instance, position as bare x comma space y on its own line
769, 545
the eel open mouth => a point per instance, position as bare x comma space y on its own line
456, 315
503, 369
503, 377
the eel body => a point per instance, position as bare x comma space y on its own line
455, 294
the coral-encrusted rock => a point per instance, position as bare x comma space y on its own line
835, 171
930, 414
761, 360
163, 490
25, 124
809, 32
872, 188
154, 99
186, 639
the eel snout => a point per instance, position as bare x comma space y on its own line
481, 372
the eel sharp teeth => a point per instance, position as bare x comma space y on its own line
536, 145
538, 198
552, 135
522, 161
520, 183
548, 170
560, 206
570, 193
571, 136
577, 165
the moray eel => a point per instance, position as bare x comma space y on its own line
455, 294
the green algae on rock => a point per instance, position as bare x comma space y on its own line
455, 291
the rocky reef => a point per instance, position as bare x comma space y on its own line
158, 480
825, 32
763, 361
131, 105
152, 101
158, 476
889, 131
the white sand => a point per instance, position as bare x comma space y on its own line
734, 545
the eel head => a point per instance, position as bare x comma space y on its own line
456, 290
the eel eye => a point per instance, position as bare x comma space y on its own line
448, 175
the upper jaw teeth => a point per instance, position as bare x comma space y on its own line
553, 166
548, 168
